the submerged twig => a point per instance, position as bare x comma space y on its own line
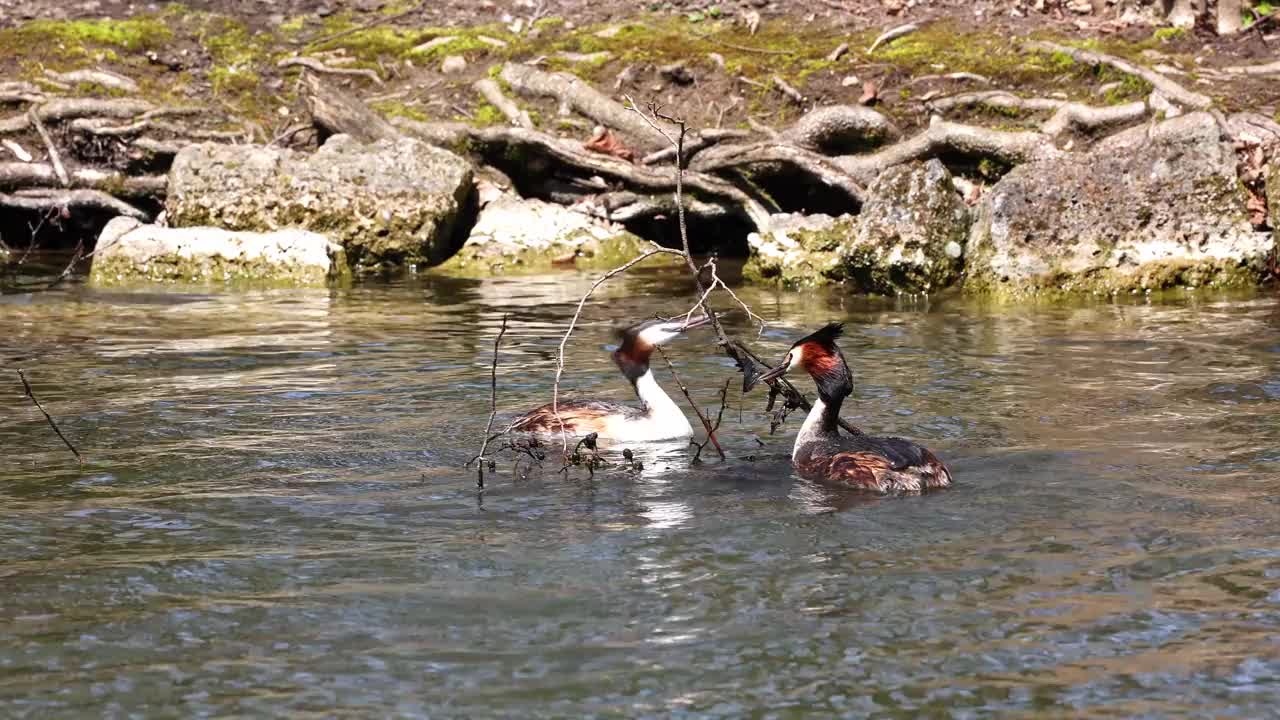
27, 386
493, 406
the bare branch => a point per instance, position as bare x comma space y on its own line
27, 386
493, 405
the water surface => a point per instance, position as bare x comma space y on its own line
273, 517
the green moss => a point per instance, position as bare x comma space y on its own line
1147, 278
486, 115
1166, 34
293, 25
393, 108
73, 37
233, 79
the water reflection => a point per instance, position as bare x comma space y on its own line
274, 519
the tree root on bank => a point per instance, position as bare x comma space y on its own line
840, 129
625, 206
821, 167
492, 92
317, 66
57, 200
1171, 89
575, 93
1012, 147
1067, 115
20, 175
708, 138
69, 109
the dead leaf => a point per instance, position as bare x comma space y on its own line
752, 18
604, 141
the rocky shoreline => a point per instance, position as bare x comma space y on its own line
1152, 187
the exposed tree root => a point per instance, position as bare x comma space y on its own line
1012, 147
337, 111
20, 175
102, 78
68, 109
317, 66
492, 92
840, 129
624, 206
821, 167
577, 94
1067, 115
1171, 89
1271, 68
708, 138
57, 200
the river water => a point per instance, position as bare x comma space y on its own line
273, 518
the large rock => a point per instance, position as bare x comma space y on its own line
129, 251
909, 238
388, 203
1148, 208
514, 235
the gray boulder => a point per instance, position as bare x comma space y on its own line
388, 203
129, 251
514, 235
1149, 208
908, 239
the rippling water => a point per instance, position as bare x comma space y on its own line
273, 517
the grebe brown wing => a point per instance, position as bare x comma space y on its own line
579, 416
881, 464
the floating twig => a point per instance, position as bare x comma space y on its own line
724, 400
27, 386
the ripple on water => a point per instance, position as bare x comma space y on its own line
274, 518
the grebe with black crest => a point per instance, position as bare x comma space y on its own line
821, 453
657, 418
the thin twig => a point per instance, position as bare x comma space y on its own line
706, 424
27, 386
573, 322
724, 400
493, 405
891, 35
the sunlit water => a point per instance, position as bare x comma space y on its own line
273, 517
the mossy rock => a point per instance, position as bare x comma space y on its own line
513, 236
1146, 210
388, 203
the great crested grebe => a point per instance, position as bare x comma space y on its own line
883, 464
657, 418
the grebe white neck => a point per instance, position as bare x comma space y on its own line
811, 428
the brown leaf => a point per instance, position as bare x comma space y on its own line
609, 144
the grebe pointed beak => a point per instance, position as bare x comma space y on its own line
696, 322
770, 375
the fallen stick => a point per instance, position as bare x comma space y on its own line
891, 35
492, 92
54, 158
1271, 68
317, 66
98, 126
49, 419
1171, 89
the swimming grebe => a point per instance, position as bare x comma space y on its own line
856, 461
657, 418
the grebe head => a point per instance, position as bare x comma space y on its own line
638, 342
818, 354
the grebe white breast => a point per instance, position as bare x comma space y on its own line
882, 464
657, 418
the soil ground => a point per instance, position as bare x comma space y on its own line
226, 51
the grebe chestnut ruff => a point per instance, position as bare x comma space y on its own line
854, 461
657, 418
